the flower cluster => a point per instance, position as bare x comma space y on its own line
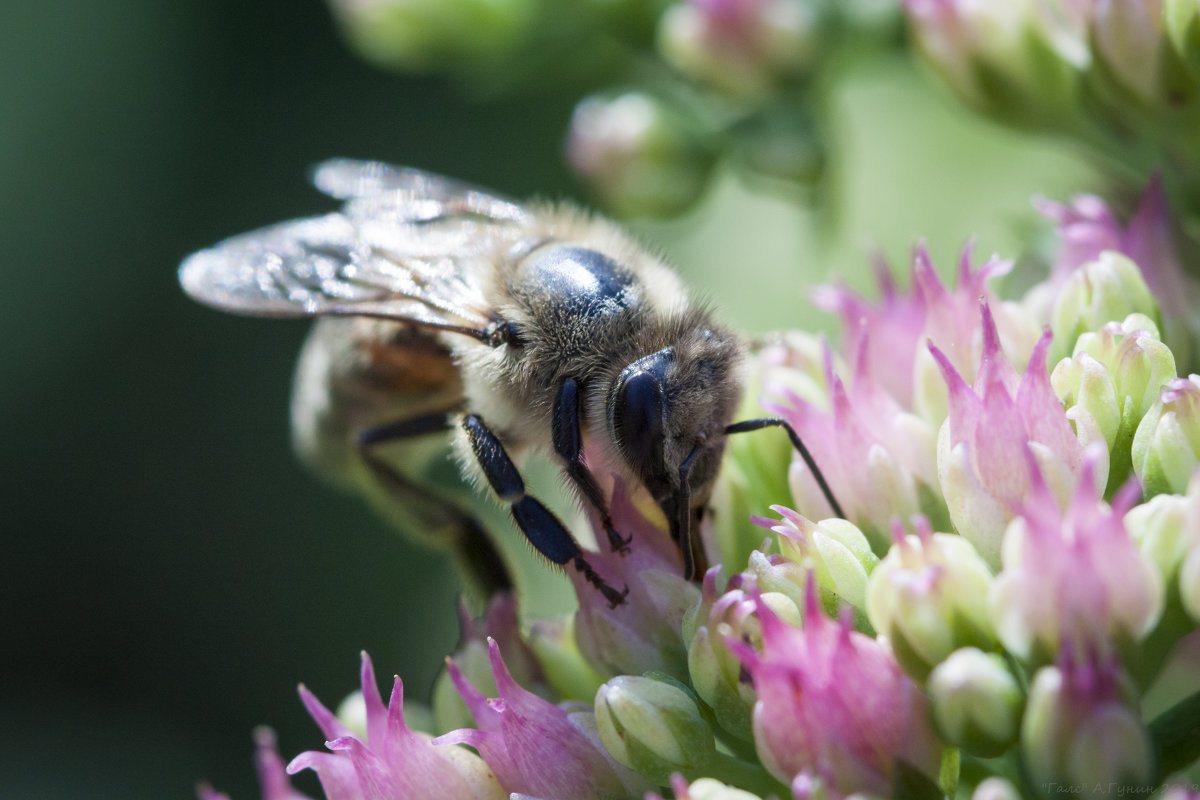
1121, 76
673, 86
1018, 566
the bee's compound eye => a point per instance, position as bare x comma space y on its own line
637, 415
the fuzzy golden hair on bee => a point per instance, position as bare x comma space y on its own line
451, 315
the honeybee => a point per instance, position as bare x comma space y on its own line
446, 309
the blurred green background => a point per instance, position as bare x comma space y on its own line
169, 572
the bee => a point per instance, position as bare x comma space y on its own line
443, 308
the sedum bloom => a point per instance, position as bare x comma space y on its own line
1073, 574
1110, 382
835, 550
995, 788
499, 622
743, 48
1189, 581
976, 701
643, 633
1166, 445
834, 701
928, 597
715, 670
390, 760
867, 463
654, 727
423, 35
703, 789
1119, 75
1131, 50
886, 342
1087, 227
1108, 289
536, 747
637, 154
1082, 728
993, 426
1166, 529
1015, 60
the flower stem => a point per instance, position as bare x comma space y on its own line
744, 775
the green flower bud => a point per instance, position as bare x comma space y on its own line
716, 673
1111, 381
1158, 527
1108, 289
565, 668
976, 702
1134, 61
426, 35
835, 549
1166, 445
1189, 582
639, 156
709, 789
352, 712
449, 710
743, 49
995, 789
928, 596
653, 727
1005, 59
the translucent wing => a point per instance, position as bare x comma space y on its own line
366, 184
393, 254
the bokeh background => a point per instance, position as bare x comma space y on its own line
169, 572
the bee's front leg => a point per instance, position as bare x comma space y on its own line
566, 432
543, 530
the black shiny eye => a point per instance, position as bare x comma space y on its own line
637, 414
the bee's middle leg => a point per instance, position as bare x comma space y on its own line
567, 435
541, 527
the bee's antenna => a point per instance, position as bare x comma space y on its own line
767, 422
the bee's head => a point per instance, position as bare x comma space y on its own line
667, 412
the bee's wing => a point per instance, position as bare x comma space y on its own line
422, 192
390, 261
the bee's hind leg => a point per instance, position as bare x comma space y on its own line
567, 434
474, 553
544, 531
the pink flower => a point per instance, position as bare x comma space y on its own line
1082, 727
391, 760
534, 747
1073, 574
716, 672
743, 48
885, 344
885, 340
1087, 227
642, 634
870, 459
833, 702
982, 450
272, 778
